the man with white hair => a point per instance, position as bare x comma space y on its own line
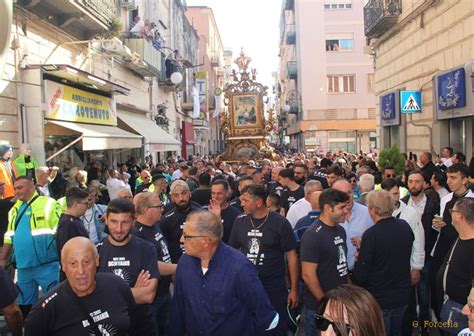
303, 206
44, 176
366, 184
357, 220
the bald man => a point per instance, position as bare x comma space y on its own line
87, 303
304, 222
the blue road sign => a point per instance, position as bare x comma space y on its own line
410, 101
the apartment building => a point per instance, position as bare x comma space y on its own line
325, 90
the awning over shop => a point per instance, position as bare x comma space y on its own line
155, 136
98, 137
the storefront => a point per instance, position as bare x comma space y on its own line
454, 106
78, 120
156, 142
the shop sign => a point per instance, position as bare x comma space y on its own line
71, 104
390, 109
451, 97
201, 84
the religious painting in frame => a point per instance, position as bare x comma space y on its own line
246, 110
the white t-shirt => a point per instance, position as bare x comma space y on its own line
113, 186
297, 211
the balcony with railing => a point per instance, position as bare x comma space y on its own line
290, 36
146, 53
380, 16
292, 69
214, 59
83, 19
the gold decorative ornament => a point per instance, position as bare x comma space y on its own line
244, 125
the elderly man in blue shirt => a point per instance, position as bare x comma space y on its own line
217, 290
358, 220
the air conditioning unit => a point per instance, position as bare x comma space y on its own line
129, 4
116, 47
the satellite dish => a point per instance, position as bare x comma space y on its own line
176, 78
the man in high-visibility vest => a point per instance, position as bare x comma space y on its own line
24, 163
31, 227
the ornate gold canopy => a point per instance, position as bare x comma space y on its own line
245, 126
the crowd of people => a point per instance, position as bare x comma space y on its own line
332, 242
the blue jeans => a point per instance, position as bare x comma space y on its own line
309, 322
392, 319
161, 313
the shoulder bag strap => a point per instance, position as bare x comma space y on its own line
445, 275
17, 220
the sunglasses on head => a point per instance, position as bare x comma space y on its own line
323, 323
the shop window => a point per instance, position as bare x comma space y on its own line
341, 83
347, 146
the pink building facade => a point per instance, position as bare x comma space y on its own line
327, 100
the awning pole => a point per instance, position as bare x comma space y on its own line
64, 148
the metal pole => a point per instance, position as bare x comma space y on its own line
64, 148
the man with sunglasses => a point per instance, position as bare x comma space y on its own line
149, 209
217, 290
145, 182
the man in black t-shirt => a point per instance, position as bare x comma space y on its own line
219, 192
292, 192
87, 303
131, 258
202, 195
460, 272
70, 224
324, 253
173, 221
149, 209
266, 238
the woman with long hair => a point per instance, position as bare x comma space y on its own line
349, 311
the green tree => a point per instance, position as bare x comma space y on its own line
391, 157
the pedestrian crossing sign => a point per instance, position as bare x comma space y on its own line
410, 101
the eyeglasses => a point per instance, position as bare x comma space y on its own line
161, 206
452, 210
323, 323
391, 175
186, 236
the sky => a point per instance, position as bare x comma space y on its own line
253, 25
